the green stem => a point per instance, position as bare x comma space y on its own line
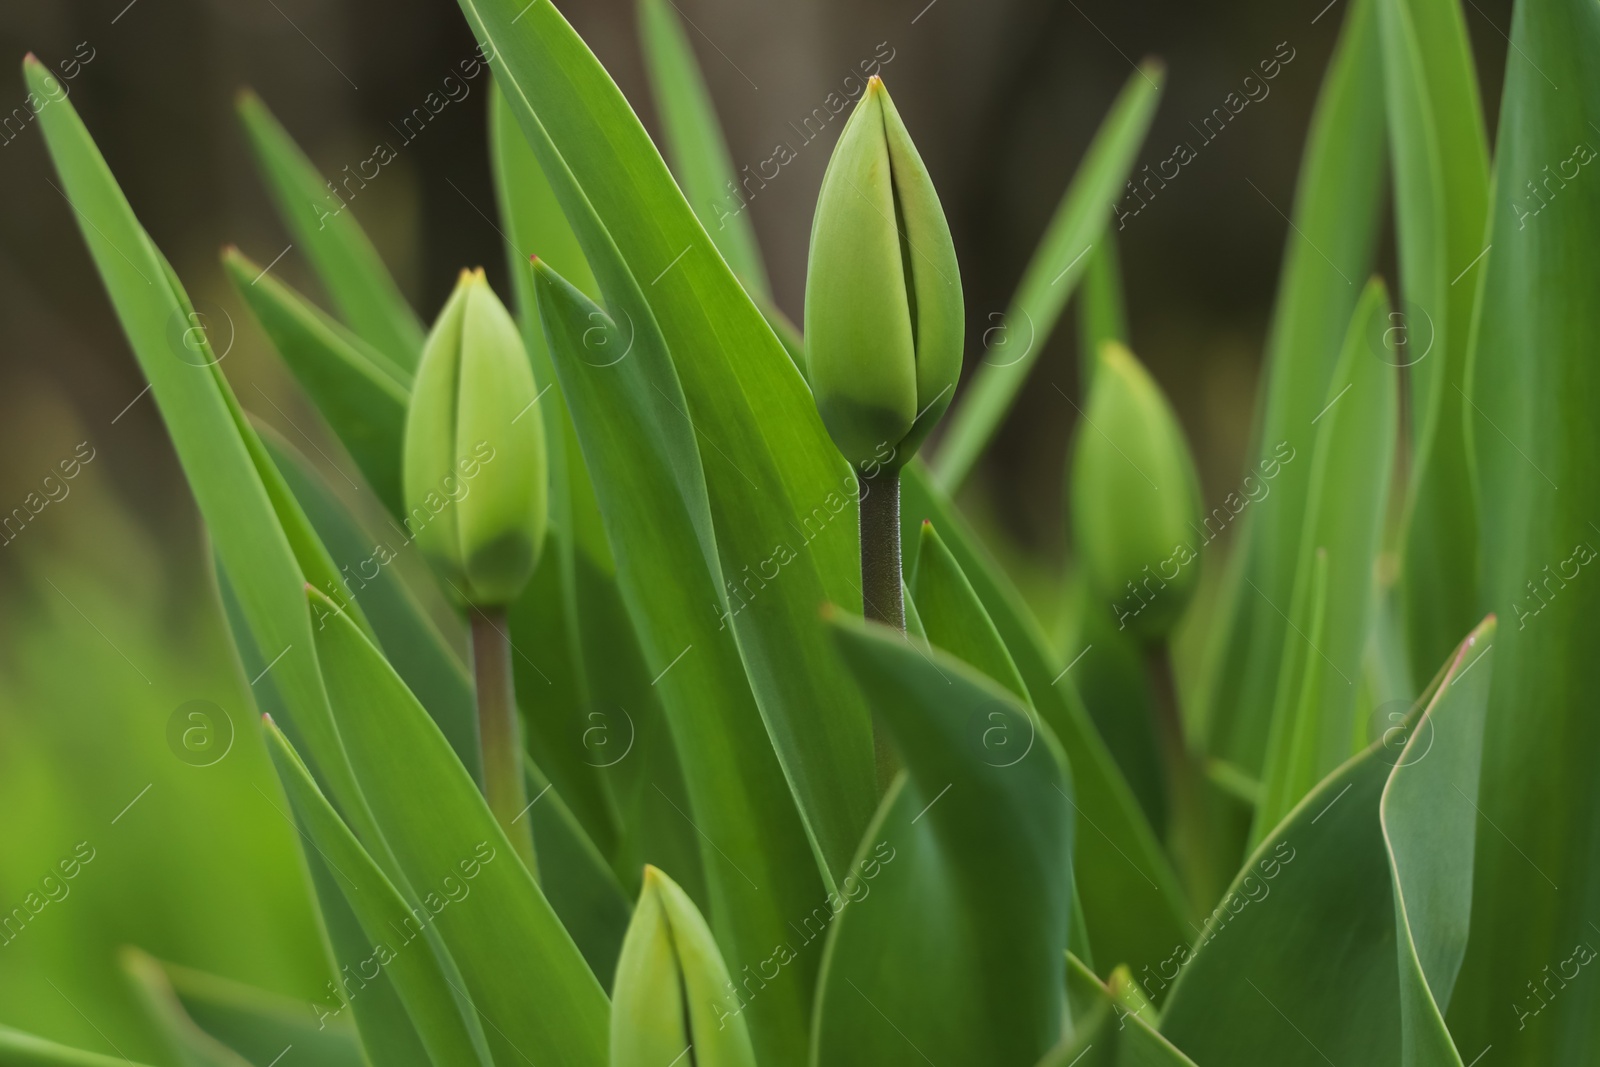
499, 735
882, 588
882, 595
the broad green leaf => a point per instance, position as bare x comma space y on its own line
359, 394
1314, 727
1441, 166
379, 1015
1533, 388
322, 225
1132, 899
1299, 964
773, 478
1054, 270
398, 934
673, 995
643, 458
580, 613
1429, 845
953, 618
535, 994
411, 641
239, 496
694, 141
938, 895
260, 1025
19, 1049
186, 1044
1110, 1028
576, 879
1329, 253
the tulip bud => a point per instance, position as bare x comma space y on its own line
884, 320
1134, 498
672, 990
475, 479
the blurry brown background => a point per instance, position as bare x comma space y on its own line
1002, 97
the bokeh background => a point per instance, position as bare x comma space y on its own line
107, 613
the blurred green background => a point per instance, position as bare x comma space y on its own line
107, 609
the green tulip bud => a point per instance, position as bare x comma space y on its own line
672, 989
476, 486
884, 320
1135, 498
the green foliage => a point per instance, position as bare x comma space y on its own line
731, 881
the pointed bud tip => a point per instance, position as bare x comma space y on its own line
31, 60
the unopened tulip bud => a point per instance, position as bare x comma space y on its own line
884, 320
1134, 497
475, 478
672, 991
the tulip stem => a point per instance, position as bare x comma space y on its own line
499, 735
882, 595
882, 587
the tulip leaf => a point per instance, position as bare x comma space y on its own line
695, 144
240, 497
19, 1049
550, 614
1533, 384
1314, 727
186, 1044
363, 399
673, 993
260, 1025
1441, 171
592, 687
329, 235
1355, 907
953, 618
772, 476
975, 758
522, 971
643, 458
1133, 902
398, 934
381, 1021
1051, 274
575, 877
1107, 1031
1330, 249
